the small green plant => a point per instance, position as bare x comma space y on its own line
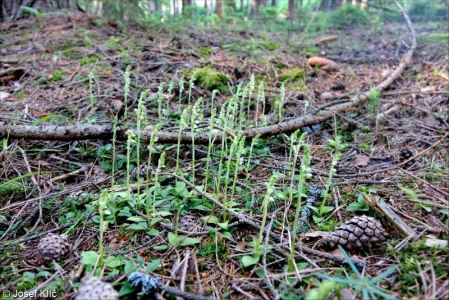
362, 283
318, 215
113, 43
360, 204
258, 248
305, 172
374, 99
57, 75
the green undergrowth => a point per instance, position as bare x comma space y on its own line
416, 257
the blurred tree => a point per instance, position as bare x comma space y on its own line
219, 8
291, 10
329, 5
255, 4
175, 7
186, 3
10, 9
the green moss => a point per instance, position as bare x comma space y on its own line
89, 60
20, 94
293, 75
328, 225
438, 38
206, 52
280, 65
208, 78
419, 254
68, 53
269, 45
57, 75
10, 188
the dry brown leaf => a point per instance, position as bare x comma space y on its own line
361, 160
240, 246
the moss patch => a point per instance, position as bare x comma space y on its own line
208, 79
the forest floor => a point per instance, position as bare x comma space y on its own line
67, 70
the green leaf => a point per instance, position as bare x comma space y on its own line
140, 260
129, 266
126, 289
356, 206
153, 232
113, 262
164, 213
155, 221
136, 219
202, 208
180, 187
224, 225
43, 274
173, 238
138, 226
315, 209
152, 266
31, 11
227, 234
248, 260
317, 219
160, 247
444, 211
189, 241
426, 207
326, 209
210, 219
89, 258
410, 193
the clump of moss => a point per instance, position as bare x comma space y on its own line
438, 38
280, 65
327, 226
57, 75
206, 52
293, 75
10, 188
207, 78
269, 45
419, 254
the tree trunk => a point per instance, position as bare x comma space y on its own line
273, 2
219, 8
255, 4
186, 3
291, 10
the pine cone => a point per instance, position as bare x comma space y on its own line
404, 155
93, 288
358, 233
53, 246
